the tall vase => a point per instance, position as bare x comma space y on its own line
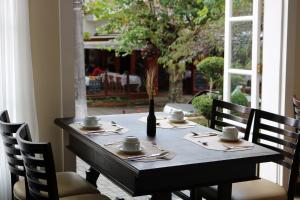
151, 120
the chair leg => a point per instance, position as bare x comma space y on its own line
92, 176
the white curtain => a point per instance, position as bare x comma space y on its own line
16, 78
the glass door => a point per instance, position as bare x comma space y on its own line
242, 51
242, 61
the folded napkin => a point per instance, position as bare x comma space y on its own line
146, 155
106, 128
214, 142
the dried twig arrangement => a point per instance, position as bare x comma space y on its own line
150, 86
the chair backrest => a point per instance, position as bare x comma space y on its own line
12, 151
229, 114
39, 166
275, 132
296, 104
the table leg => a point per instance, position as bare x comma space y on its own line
92, 176
195, 194
162, 196
224, 191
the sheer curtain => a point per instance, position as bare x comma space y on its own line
16, 78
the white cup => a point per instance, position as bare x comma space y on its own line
230, 133
90, 121
177, 115
131, 143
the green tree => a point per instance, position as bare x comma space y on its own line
212, 70
174, 32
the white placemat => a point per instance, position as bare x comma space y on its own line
148, 149
216, 143
164, 122
107, 128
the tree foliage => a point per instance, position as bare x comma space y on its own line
212, 69
203, 105
183, 31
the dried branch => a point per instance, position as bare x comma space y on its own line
150, 86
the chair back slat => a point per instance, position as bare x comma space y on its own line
10, 140
19, 172
289, 146
277, 140
34, 161
39, 165
239, 116
283, 152
223, 124
283, 132
231, 106
13, 154
11, 151
231, 117
37, 173
37, 195
12, 161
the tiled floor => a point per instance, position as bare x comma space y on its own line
107, 187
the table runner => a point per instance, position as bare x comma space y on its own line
215, 143
107, 128
148, 149
163, 122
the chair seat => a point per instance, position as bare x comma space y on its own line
250, 190
69, 183
19, 190
86, 197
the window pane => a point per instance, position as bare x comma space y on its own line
241, 89
241, 45
242, 7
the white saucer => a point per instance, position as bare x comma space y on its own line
90, 127
178, 121
229, 139
130, 151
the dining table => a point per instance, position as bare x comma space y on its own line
192, 166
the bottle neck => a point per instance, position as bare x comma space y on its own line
151, 106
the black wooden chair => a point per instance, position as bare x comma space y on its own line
70, 183
227, 114
296, 105
263, 134
41, 178
13, 156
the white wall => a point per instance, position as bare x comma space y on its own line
51, 27
67, 75
280, 63
44, 32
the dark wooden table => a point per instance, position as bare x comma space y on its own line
193, 166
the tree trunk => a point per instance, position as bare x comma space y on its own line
175, 86
211, 84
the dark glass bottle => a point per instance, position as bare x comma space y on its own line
151, 120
